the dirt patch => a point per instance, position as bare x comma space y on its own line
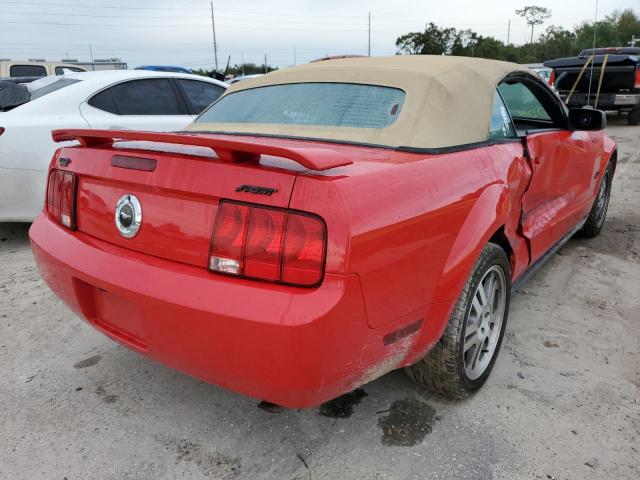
88, 362
407, 423
106, 398
211, 464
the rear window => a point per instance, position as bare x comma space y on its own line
27, 71
47, 85
322, 104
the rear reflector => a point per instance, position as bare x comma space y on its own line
270, 244
134, 163
637, 82
61, 197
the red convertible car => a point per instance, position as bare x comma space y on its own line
322, 225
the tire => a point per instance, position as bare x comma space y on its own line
598, 213
634, 116
448, 369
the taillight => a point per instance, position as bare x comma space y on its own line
552, 77
61, 197
1, 130
637, 83
266, 243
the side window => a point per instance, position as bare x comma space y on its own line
27, 71
522, 103
104, 101
500, 126
155, 96
199, 95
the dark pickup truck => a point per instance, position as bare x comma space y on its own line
610, 80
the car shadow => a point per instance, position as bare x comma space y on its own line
14, 234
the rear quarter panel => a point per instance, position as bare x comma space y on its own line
411, 226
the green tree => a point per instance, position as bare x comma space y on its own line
614, 30
556, 42
433, 41
534, 15
241, 69
628, 24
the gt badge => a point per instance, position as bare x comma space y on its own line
128, 215
257, 190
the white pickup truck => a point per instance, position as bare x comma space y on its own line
30, 70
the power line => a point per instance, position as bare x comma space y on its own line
160, 17
191, 25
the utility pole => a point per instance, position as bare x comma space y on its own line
91, 52
215, 45
294, 55
369, 48
265, 63
242, 61
595, 27
509, 32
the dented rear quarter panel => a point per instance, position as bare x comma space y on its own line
412, 225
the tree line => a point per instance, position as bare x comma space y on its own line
238, 69
615, 30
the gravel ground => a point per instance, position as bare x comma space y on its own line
561, 403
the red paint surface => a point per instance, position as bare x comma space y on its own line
403, 230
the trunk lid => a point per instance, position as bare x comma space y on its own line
179, 181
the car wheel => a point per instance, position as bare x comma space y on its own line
598, 213
462, 359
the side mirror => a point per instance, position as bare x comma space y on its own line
587, 119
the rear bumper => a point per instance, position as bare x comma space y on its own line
290, 346
605, 100
21, 194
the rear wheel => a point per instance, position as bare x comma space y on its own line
462, 359
598, 213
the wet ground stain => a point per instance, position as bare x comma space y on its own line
88, 362
343, 406
549, 344
407, 423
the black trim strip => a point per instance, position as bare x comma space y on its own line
458, 148
528, 273
404, 332
427, 151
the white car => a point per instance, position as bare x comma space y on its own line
119, 99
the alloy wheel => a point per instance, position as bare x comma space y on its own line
484, 322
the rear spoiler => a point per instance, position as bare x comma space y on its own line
226, 149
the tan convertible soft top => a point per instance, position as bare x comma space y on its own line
448, 99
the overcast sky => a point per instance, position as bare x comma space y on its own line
179, 33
